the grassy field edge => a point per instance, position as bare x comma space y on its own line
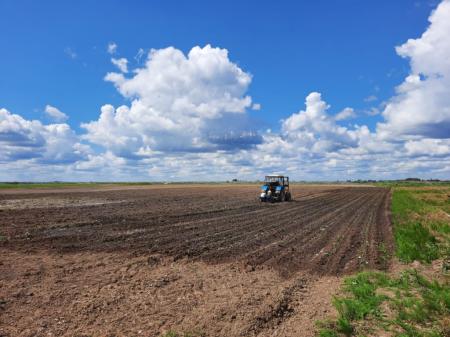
403, 303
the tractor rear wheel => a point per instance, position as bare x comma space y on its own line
288, 196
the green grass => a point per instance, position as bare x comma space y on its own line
325, 332
419, 184
407, 305
415, 242
440, 227
415, 234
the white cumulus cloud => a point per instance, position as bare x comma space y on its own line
178, 102
422, 104
428, 147
185, 118
315, 129
25, 139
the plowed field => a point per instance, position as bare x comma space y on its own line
142, 260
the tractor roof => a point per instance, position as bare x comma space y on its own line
274, 176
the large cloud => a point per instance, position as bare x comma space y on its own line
312, 145
177, 102
314, 129
422, 104
24, 139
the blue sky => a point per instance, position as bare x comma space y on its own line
343, 49
55, 53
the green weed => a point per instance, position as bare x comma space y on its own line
325, 332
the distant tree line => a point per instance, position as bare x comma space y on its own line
361, 181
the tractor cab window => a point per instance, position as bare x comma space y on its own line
275, 180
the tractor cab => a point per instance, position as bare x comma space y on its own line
275, 188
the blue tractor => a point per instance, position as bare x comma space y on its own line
275, 188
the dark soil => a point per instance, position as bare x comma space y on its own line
52, 249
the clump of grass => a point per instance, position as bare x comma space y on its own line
326, 332
362, 302
407, 306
